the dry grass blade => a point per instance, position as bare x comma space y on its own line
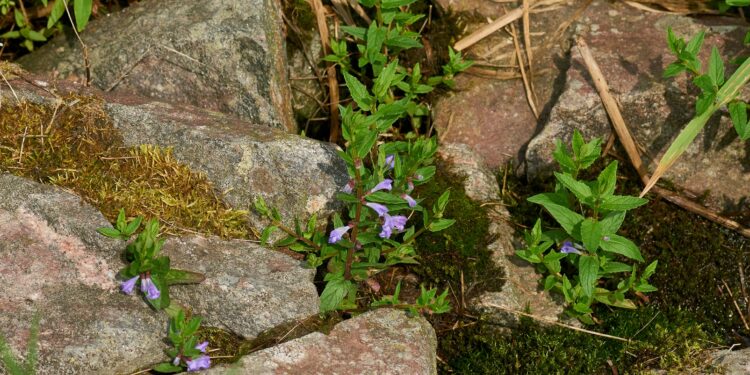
527, 47
526, 81
333, 84
341, 7
555, 322
485, 31
626, 139
675, 6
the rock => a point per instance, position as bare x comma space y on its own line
521, 290
297, 175
248, 289
53, 261
224, 55
735, 362
489, 110
383, 341
655, 109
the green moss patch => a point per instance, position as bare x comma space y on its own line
74, 145
458, 256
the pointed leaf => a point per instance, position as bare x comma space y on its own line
621, 245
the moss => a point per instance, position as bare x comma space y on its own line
457, 256
672, 341
75, 146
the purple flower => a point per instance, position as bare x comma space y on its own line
202, 346
203, 362
379, 208
337, 234
129, 285
410, 185
392, 222
383, 185
176, 361
568, 248
412, 202
148, 287
390, 161
349, 187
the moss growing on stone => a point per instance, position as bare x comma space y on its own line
74, 145
460, 249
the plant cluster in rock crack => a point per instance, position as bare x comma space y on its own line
590, 215
152, 273
375, 231
24, 28
716, 92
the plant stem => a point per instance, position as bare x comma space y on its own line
294, 234
357, 216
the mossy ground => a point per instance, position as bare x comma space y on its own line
689, 314
74, 145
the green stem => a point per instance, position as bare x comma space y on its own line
357, 216
294, 234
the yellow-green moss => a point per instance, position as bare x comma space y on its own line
74, 145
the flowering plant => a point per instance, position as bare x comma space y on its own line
146, 267
590, 215
187, 352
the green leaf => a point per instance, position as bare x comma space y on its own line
650, 269
607, 180
57, 11
33, 35
611, 222
375, 38
704, 102
591, 234
165, 367
358, 91
82, 10
385, 80
622, 203
694, 45
402, 42
333, 294
357, 32
440, 224
673, 69
588, 270
442, 201
738, 114
716, 67
109, 232
581, 190
621, 245
390, 4
616, 267
267, 232
176, 276
384, 197
566, 217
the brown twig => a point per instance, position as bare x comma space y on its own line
333, 85
84, 48
626, 139
736, 306
486, 30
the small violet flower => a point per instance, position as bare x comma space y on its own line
412, 202
383, 185
203, 362
568, 248
390, 161
379, 208
202, 346
148, 287
129, 285
349, 187
176, 361
390, 223
337, 234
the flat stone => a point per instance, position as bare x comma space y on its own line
245, 161
248, 289
489, 109
383, 341
735, 362
221, 55
655, 109
54, 263
521, 289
